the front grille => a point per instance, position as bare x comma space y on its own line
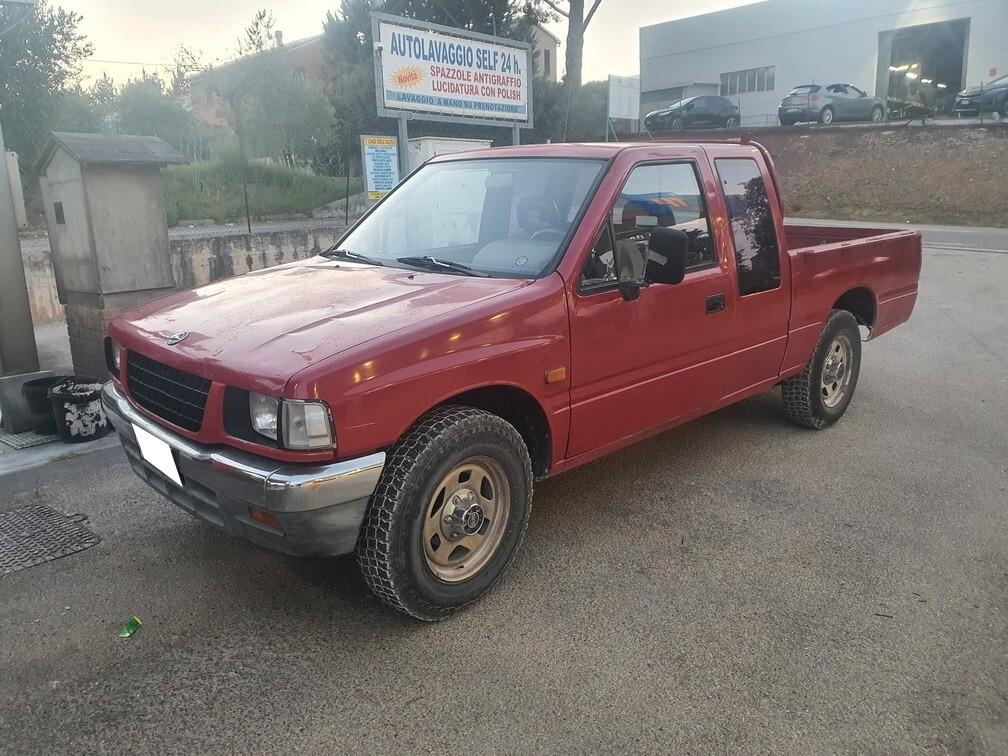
174, 395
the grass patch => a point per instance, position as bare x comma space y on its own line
213, 189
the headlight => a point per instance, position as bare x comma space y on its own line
299, 425
306, 425
265, 413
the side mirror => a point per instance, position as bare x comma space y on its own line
666, 263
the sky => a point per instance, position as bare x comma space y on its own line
139, 35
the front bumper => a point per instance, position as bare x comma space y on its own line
320, 507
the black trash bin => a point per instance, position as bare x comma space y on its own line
76, 405
36, 394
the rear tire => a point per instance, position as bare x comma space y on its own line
786, 122
731, 122
449, 464
826, 116
819, 395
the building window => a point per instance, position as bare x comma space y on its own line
547, 63
750, 80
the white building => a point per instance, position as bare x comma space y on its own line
546, 47
754, 54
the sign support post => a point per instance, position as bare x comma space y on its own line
403, 146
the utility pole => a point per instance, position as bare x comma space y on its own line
18, 353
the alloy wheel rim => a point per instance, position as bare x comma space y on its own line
836, 373
465, 519
827, 116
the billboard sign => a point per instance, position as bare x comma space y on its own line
380, 158
438, 73
624, 97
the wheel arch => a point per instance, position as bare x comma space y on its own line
520, 408
859, 302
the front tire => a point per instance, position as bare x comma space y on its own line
677, 124
877, 114
448, 514
731, 122
819, 395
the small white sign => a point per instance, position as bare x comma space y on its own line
624, 97
158, 453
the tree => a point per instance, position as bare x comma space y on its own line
273, 109
258, 34
146, 106
184, 63
41, 50
577, 23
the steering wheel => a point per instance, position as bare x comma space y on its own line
547, 234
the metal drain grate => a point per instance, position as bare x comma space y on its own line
37, 534
25, 440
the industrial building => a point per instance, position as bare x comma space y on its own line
923, 50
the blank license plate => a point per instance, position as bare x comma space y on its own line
158, 454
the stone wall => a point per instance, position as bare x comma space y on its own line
201, 260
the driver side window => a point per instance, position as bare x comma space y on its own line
666, 195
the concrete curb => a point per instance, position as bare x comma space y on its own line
19, 460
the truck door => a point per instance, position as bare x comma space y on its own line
762, 283
654, 360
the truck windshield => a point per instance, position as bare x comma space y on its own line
502, 217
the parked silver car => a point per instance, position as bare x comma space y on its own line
826, 104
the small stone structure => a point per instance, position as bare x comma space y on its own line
105, 210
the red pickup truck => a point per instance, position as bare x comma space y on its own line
502, 316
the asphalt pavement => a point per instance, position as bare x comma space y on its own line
734, 585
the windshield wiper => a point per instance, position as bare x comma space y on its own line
346, 254
434, 263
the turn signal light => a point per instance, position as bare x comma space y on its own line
265, 518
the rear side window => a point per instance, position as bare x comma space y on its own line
757, 257
811, 89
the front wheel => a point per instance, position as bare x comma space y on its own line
449, 511
877, 114
677, 124
819, 395
731, 122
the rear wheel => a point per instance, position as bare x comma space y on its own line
731, 122
826, 116
448, 514
786, 122
819, 395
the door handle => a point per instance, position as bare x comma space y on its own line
714, 303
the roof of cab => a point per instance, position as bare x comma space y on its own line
596, 150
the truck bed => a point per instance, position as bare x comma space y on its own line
877, 267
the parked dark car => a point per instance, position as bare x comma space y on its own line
708, 111
993, 98
829, 103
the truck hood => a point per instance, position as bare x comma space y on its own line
259, 329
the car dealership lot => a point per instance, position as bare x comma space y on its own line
735, 584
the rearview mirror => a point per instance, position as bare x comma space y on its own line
666, 263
